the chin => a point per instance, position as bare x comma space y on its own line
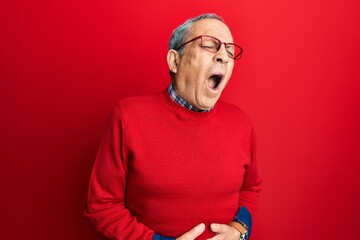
208, 105
206, 100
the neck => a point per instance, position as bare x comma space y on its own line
180, 100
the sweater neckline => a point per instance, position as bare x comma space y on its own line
183, 112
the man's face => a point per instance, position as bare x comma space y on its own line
201, 75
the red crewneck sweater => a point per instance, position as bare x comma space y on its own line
163, 169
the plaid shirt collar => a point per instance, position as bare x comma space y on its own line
174, 96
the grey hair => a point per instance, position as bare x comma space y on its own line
179, 34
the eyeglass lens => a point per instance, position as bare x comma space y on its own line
213, 45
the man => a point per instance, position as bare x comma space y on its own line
180, 164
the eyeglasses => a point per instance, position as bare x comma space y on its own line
212, 44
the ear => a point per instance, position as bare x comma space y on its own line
173, 60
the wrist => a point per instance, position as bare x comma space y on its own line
242, 228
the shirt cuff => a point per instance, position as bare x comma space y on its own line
159, 237
244, 216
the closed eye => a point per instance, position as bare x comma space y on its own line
231, 54
209, 47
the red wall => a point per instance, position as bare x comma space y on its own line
64, 64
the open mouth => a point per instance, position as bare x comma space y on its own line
215, 80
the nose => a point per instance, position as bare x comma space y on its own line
222, 56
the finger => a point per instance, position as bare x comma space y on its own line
219, 228
193, 233
217, 237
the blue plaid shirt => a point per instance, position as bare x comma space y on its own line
174, 96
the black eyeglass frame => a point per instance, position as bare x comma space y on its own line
237, 57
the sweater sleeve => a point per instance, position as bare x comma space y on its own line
106, 206
249, 192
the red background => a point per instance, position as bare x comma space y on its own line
64, 64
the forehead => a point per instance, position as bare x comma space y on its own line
212, 27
